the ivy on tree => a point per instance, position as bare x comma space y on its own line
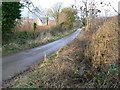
34, 27
10, 12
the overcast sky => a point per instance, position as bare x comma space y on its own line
45, 4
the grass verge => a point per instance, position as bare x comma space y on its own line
23, 40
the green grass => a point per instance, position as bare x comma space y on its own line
23, 40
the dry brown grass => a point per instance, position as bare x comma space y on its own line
103, 53
105, 43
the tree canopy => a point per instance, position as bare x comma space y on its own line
70, 17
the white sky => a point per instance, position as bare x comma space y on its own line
49, 3
44, 4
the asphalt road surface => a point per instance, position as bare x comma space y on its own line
20, 62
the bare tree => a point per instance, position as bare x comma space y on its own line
32, 8
55, 11
87, 10
47, 15
34, 11
110, 5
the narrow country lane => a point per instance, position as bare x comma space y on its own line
20, 62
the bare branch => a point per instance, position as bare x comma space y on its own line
114, 9
35, 10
